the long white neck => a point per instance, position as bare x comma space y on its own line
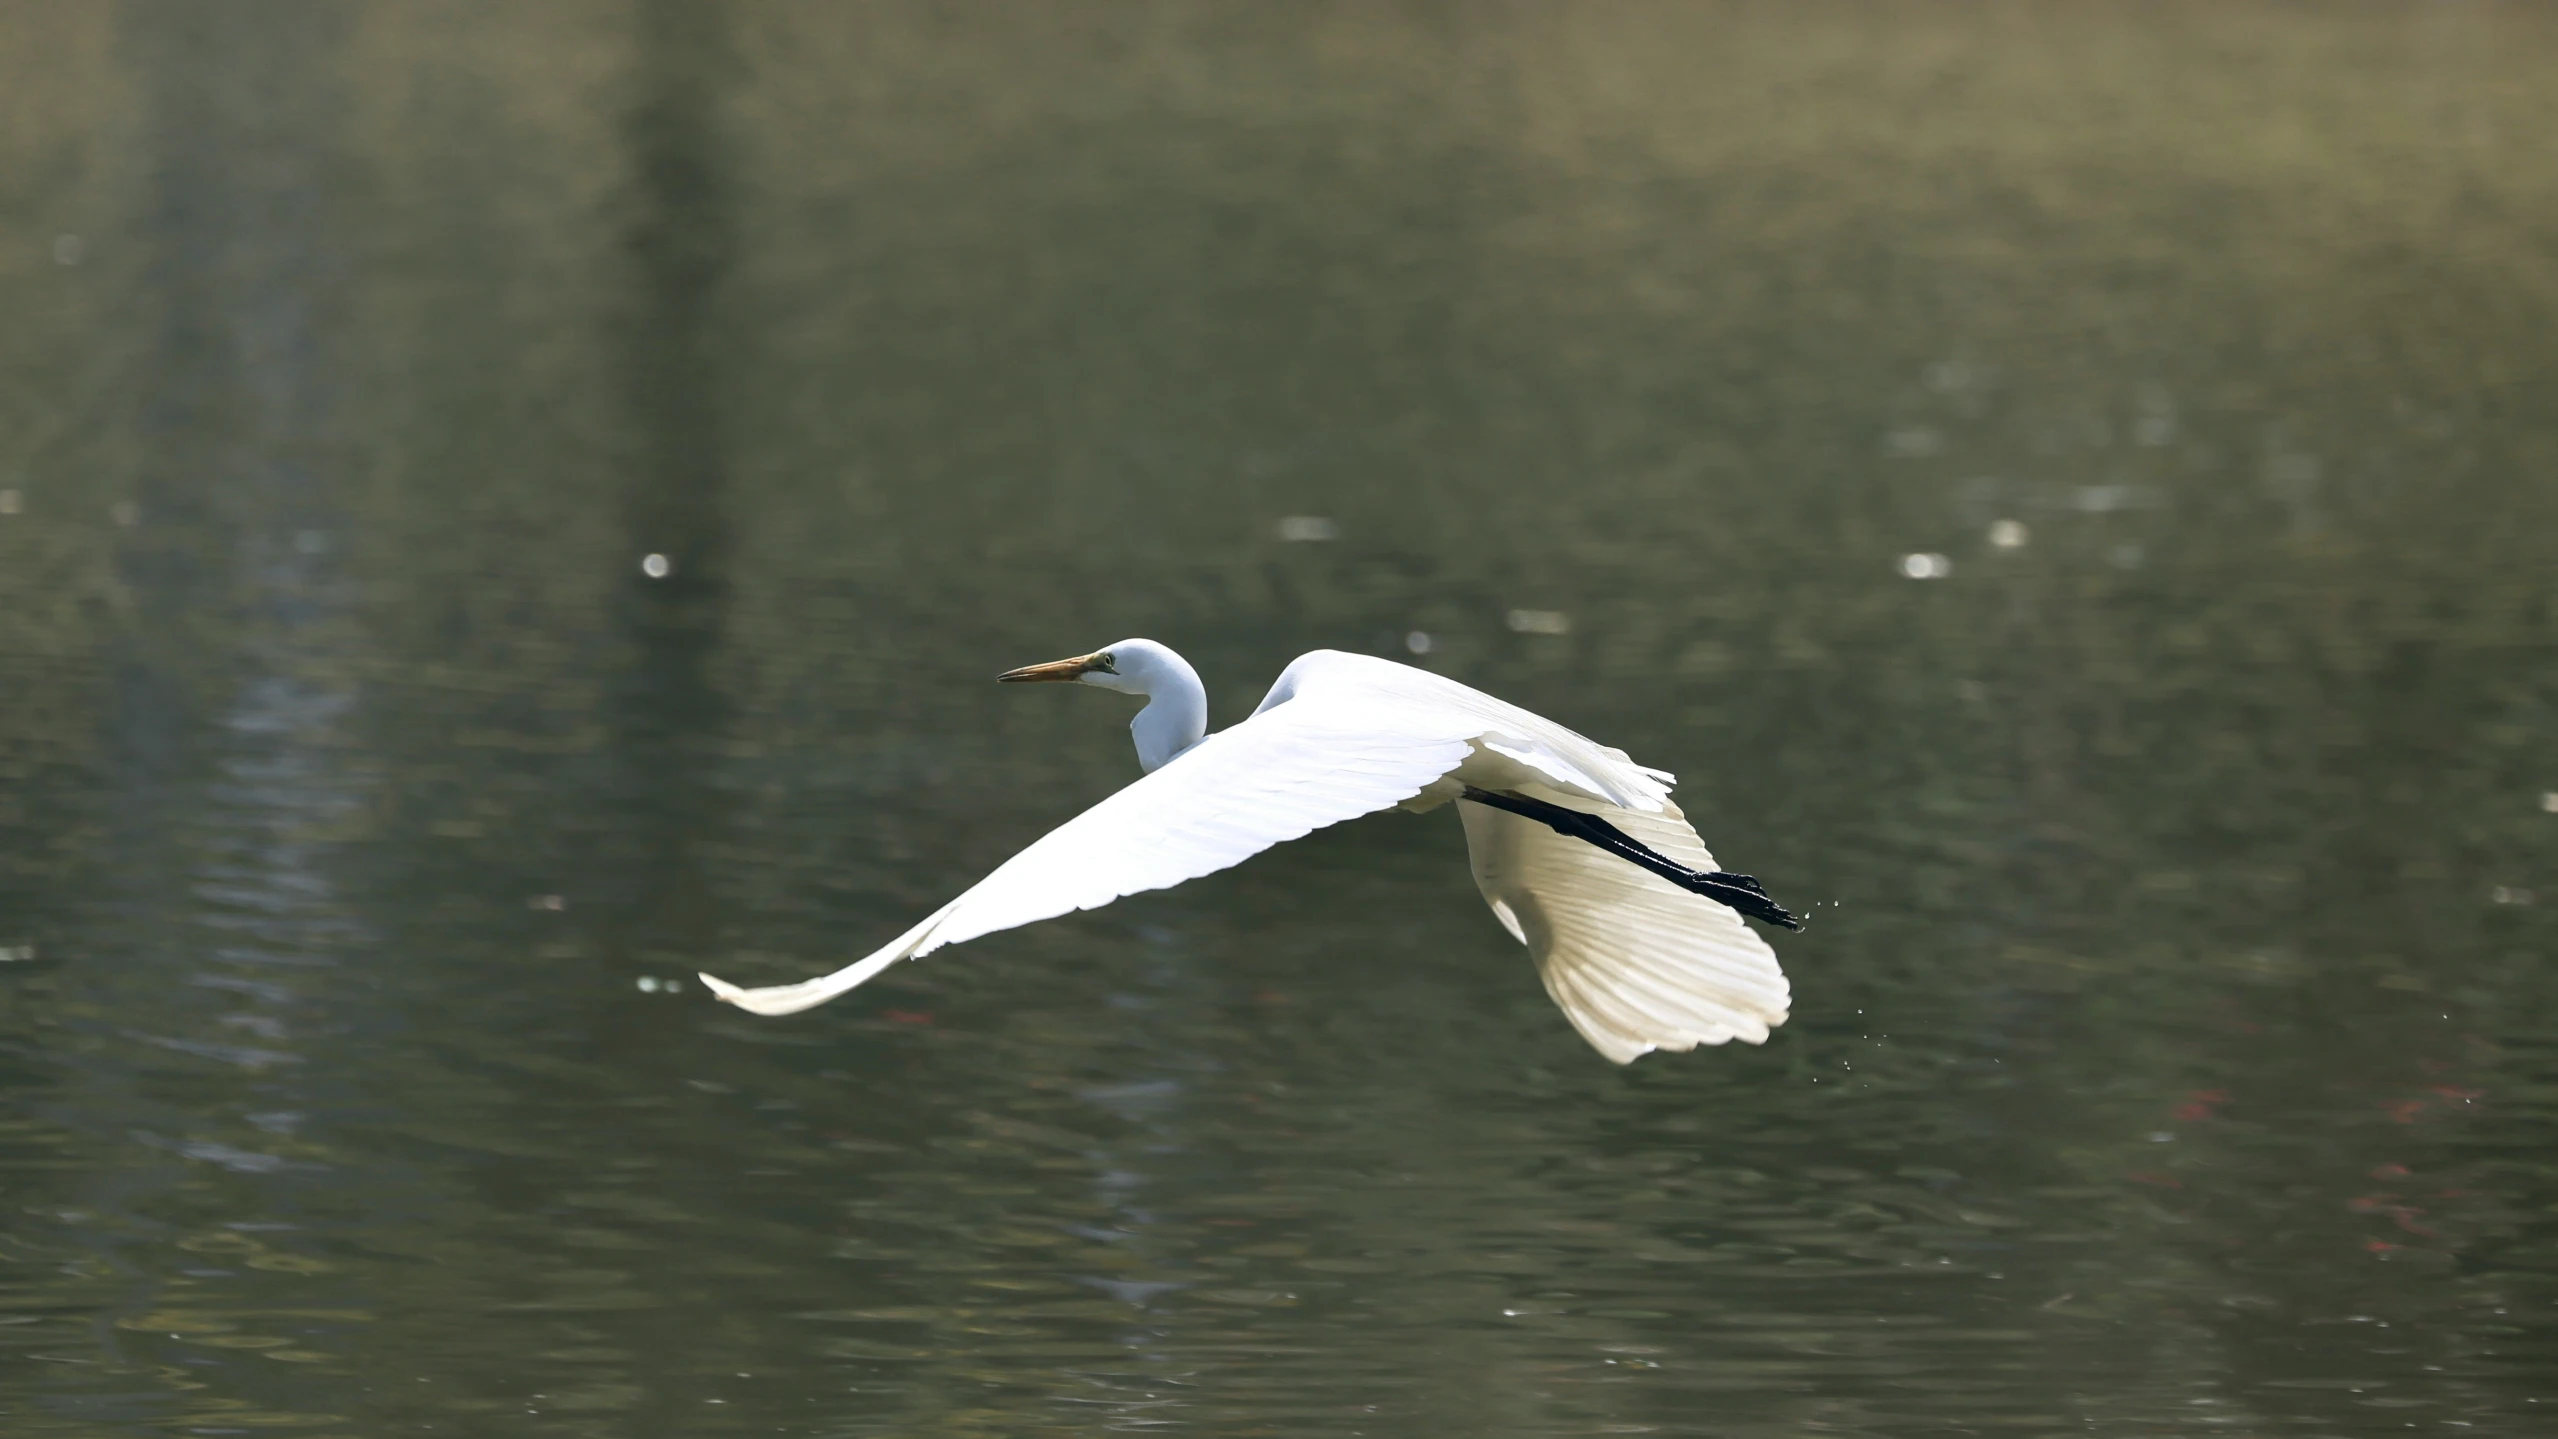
1176, 712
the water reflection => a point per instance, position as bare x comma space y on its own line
2174, 1045
666, 709
190, 997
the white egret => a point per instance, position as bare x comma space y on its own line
1577, 848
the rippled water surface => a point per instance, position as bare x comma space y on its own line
2073, 491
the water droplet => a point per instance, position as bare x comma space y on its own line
1308, 528
1926, 566
1419, 643
657, 567
2009, 534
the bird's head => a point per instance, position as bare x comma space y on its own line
1130, 666
1176, 712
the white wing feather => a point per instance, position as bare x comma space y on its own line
1277, 776
1636, 963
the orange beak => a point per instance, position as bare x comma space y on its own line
1051, 672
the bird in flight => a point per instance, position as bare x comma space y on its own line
1578, 849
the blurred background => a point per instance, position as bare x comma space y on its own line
2070, 489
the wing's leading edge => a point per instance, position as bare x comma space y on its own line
1279, 775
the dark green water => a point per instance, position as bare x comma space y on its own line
2176, 1041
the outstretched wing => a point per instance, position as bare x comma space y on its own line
1281, 774
1636, 962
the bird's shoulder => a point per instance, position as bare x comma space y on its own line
1398, 698
1340, 674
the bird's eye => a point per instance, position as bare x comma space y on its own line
1109, 665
